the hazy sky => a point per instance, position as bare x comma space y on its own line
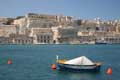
85, 9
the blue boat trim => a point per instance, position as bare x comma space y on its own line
81, 68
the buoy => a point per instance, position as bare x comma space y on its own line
109, 71
9, 61
53, 66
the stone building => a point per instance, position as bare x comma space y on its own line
64, 35
21, 24
21, 39
42, 35
112, 40
44, 20
118, 27
5, 30
5, 40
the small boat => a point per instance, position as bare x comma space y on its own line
98, 42
78, 64
102, 41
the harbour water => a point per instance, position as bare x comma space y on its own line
33, 62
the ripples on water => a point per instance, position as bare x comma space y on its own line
33, 62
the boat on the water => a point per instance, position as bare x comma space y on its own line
78, 64
101, 42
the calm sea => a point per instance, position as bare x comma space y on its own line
33, 62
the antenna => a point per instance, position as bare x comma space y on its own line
57, 58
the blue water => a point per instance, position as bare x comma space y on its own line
33, 62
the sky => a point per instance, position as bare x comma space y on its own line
84, 9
